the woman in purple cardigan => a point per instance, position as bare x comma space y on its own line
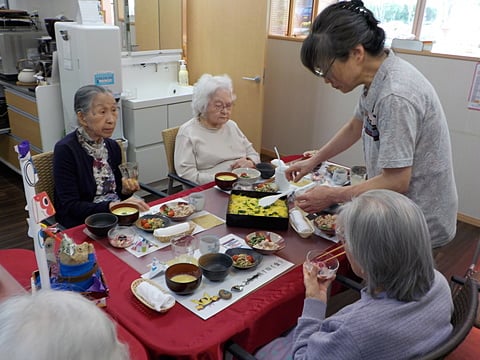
85, 165
403, 312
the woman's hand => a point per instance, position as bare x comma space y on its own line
243, 163
301, 168
315, 287
142, 205
317, 199
129, 185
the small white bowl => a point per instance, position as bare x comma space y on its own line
247, 176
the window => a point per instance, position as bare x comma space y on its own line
452, 25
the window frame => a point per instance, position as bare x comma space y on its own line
416, 27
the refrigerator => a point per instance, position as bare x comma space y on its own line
88, 54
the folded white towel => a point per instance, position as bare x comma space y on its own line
171, 230
155, 296
299, 220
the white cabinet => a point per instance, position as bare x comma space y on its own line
143, 130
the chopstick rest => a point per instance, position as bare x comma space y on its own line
156, 297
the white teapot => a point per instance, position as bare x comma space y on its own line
26, 71
27, 76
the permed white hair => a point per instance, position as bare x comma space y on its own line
205, 88
57, 325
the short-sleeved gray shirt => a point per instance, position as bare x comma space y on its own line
404, 125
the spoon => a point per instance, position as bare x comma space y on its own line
269, 200
278, 155
240, 287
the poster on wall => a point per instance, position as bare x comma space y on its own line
474, 96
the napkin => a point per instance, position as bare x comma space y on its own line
299, 220
156, 297
171, 230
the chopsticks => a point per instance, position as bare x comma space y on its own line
332, 251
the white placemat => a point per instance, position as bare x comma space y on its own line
270, 267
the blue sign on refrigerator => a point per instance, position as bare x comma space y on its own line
104, 79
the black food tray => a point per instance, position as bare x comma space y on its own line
256, 222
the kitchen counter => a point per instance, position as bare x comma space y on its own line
27, 90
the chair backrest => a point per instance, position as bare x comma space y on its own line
465, 302
43, 163
169, 136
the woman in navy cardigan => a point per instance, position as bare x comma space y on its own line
85, 165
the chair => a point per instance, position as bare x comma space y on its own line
465, 302
43, 163
169, 135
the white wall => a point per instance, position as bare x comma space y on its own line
302, 112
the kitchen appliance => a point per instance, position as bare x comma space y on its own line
88, 54
18, 39
15, 45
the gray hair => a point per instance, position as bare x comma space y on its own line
205, 88
84, 97
387, 235
337, 30
57, 325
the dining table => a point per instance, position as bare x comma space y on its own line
252, 321
16, 267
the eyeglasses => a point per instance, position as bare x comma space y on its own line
323, 74
218, 106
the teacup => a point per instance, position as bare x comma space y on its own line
340, 176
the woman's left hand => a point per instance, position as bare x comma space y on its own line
243, 163
129, 185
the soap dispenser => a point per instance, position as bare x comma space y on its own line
183, 74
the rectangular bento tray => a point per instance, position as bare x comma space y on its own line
256, 222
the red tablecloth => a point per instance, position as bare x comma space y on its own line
252, 321
20, 263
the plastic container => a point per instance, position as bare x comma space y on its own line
183, 74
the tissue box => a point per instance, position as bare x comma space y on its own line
253, 221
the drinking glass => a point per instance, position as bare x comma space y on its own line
328, 264
183, 248
358, 174
129, 171
209, 244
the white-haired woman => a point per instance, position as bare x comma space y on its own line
405, 308
211, 142
57, 325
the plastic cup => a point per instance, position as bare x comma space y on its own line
129, 170
358, 174
327, 264
183, 249
209, 244
197, 200
340, 176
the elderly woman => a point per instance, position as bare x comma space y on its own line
404, 310
399, 118
85, 167
57, 325
211, 142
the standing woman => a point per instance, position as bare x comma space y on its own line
399, 118
211, 142
85, 164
